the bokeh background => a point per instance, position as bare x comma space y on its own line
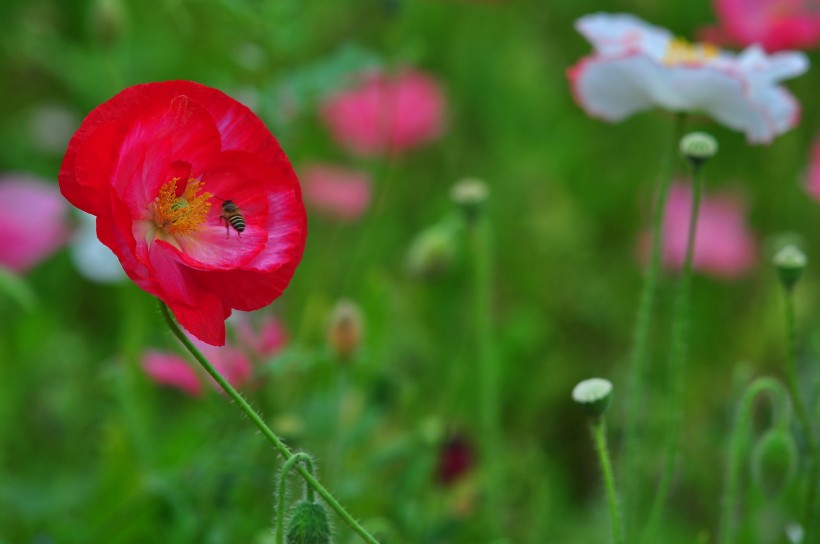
93, 448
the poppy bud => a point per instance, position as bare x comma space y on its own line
308, 524
432, 253
790, 262
594, 395
345, 330
698, 147
774, 462
470, 194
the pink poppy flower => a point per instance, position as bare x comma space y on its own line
335, 192
724, 246
34, 221
228, 361
637, 66
194, 196
172, 370
774, 24
262, 337
386, 113
813, 181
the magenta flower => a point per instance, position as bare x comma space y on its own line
263, 337
637, 66
34, 221
384, 113
173, 371
813, 181
336, 193
724, 246
774, 24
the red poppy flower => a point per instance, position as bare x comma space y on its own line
155, 164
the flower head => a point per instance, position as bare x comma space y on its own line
385, 113
157, 165
724, 246
34, 221
335, 192
774, 24
637, 66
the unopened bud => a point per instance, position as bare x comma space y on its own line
308, 524
432, 253
790, 263
108, 19
470, 194
594, 395
774, 462
698, 147
346, 329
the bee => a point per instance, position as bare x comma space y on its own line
232, 217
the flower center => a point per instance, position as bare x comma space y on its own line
680, 51
183, 214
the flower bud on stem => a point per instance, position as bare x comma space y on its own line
280, 446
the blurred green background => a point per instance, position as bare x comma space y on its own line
91, 450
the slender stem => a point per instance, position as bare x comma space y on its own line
810, 515
640, 343
737, 446
280, 446
599, 436
677, 360
283, 478
489, 408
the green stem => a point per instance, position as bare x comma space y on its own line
677, 362
488, 409
810, 515
283, 477
280, 446
640, 343
599, 436
737, 447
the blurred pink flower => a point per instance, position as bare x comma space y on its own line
637, 66
813, 181
335, 192
724, 246
774, 24
228, 361
262, 338
386, 113
34, 221
172, 370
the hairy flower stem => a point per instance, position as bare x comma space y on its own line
738, 443
810, 515
677, 361
282, 491
280, 446
598, 427
489, 407
640, 343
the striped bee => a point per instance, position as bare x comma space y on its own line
231, 215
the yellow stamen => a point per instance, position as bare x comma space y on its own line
181, 214
680, 51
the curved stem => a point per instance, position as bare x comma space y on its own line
599, 437
677, 362
280, 446
810, 515
640, 342
737, 446
283, 478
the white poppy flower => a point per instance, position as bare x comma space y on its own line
637, 66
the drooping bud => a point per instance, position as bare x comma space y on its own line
697, 148
594, 395
774, 462
308, 524
345, 330
790, 263
433, 252
470, 194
